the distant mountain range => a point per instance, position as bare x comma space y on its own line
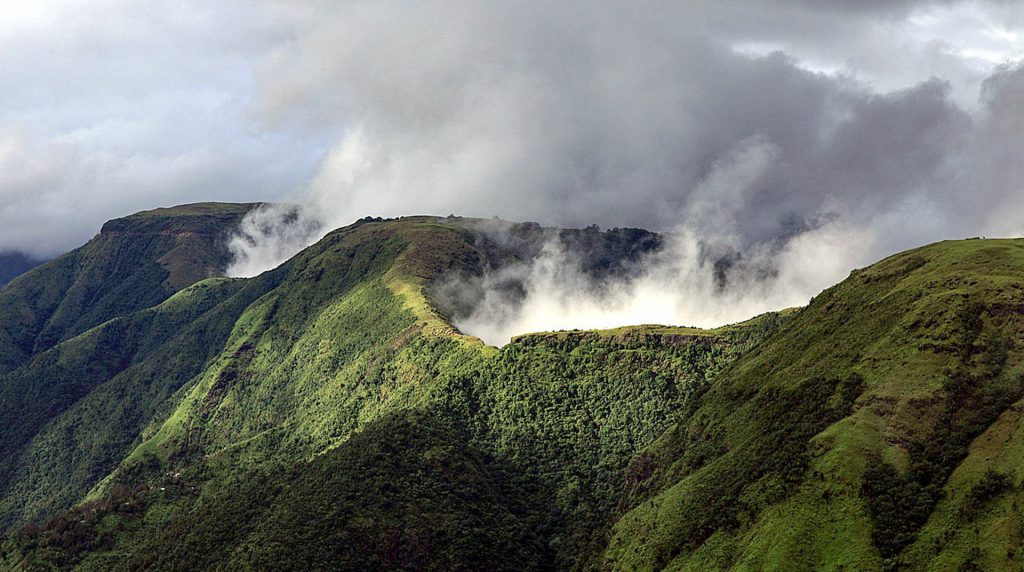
327, 414
14, 264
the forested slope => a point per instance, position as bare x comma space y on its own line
72, 402
338, 343
14, 264
133, 263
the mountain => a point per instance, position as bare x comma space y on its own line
233, 382
878, 429
327, 414
76, 322
133, 263
14, 264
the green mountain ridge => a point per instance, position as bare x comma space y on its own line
133, 263
327, 414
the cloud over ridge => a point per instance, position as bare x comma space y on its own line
814, 137
649, 116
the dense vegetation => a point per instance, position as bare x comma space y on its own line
72, 409
327, 415
404, 493
331, 345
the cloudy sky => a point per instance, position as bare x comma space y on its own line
758, 121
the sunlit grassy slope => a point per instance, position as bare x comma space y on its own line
327, 415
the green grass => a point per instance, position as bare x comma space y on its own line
94, 343
67, 433
756, 327
197, 210
158, 253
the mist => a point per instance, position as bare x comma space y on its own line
682, 284
802, 163
269, 235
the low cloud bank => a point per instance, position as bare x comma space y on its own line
689, 281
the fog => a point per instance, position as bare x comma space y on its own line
678, 285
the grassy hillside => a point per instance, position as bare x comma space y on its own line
405, 492
14, 264
872, 431
71, 414
71, 404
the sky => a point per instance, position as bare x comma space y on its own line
848, 129
606, 112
